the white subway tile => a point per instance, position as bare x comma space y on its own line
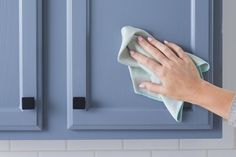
37, 145
221, 153
227, 142
123, 154
4, 145
66, 154
94, 144
192, 153
150, 144
18, 154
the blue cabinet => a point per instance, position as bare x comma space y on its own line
93, 39
20, 65
86, 93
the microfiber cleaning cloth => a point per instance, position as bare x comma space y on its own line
139, 73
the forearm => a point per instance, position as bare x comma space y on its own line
214, 99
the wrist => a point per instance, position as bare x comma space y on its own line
202, 93
213, 98
198, 92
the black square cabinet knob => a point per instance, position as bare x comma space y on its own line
79, 102
28, 103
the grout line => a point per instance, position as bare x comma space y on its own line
234, 134
66, 145
151, 153
122, 145
206, 153
178, 144
126, 150
10, 149
8, 145
208, 149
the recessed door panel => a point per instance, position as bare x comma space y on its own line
93, 73
20, 65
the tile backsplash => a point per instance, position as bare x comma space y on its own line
123, 148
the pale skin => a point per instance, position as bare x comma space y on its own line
180, 78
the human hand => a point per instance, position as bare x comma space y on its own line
176, 70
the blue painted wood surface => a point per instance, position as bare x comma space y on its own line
20, 64
80, 45
111, 103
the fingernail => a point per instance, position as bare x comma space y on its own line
132, 52
149, 39
140, 38
142, 85
166, 42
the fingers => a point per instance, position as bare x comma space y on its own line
152, 87
163, 48
153, 66
146, 61
159, 56
179, 51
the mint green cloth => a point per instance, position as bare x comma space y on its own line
139, 73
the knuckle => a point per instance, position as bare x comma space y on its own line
149, 62
156, 69
157, 52
157, 55
139, 58
179, 49
145, 60
149, 47
170, 65
171, 44
155, 42
165, 49
144, 43
149, 88
184, 54
153, 67
163, 72
163, 59
134, 56
181, 62
188, 60
174, 45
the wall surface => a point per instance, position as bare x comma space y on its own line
146, 148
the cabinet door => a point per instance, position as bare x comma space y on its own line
20, 65
99, 90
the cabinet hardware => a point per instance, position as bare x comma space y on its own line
79, 102
28, 103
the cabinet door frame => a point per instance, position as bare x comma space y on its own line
78, 72
28, 115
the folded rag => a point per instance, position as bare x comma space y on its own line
139, 73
